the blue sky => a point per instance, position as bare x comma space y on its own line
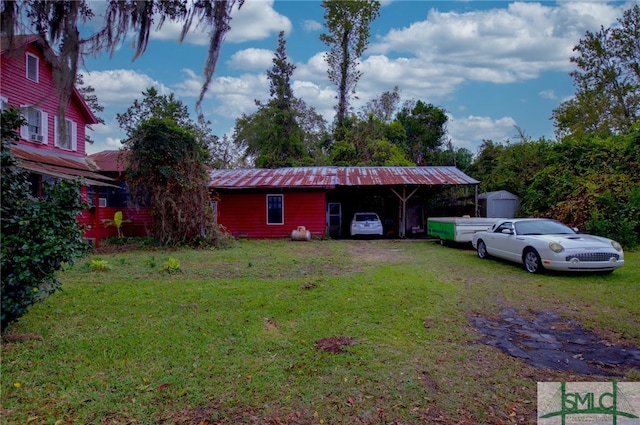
494, 66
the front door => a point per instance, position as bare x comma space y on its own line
334, 219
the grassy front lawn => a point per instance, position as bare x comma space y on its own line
238, 336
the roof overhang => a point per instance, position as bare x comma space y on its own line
60, 166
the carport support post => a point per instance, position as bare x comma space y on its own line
403, 204
476, 206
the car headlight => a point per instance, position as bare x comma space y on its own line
616, 246
556, 247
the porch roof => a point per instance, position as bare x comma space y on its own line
59, 165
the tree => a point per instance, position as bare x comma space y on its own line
485, 162
153, 104
58, 22
283, 132
458, 157
592, 183
383, 107
348, 24
166, 164
607, 80
366, 143
89, 96
424, 131
38, 235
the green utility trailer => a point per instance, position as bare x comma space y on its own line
457, 229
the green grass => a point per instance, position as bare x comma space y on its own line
230, 336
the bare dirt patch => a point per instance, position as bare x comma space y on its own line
373, 252
335, 344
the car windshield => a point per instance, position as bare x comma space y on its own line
542, 227
366, 217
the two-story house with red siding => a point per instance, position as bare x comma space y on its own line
47, 152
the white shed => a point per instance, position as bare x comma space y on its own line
498, 204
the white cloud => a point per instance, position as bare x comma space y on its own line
310, 25
469, 132
548, 94
256, 20
120, 87
314, 69
497, 45
255, 59
115, 143
316, 96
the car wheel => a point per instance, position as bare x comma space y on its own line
532, 261
482, 250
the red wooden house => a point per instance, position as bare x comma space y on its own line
272, 203
44, 150
138, 220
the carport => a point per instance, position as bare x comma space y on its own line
325, 198
389, 191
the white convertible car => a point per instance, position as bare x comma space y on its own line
541, 244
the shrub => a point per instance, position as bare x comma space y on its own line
37, 236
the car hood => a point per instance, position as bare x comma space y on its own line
576, 241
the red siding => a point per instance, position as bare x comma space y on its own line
141, 222
244, 213
18, 91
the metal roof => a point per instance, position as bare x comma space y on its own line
58, 165
330, 177
109, 160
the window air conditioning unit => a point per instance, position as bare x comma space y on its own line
102, 202
36, 137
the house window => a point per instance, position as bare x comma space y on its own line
4, 103
32, 67
35, 129
68, 138
275, 210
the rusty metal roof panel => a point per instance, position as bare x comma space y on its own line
329, 177
57, 164
392, 176
109, 160
310, 177
28, 153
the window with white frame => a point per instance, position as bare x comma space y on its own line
32, 67
275, 209
66, 139
35, 129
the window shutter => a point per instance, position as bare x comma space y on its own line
74, 136
24, 129
44, 122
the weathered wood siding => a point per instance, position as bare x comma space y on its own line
244, 213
